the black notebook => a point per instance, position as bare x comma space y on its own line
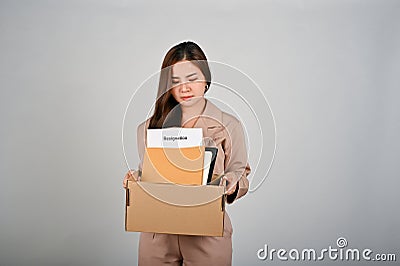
209, 162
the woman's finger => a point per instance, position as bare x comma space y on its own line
226, 183
228, 191
223, 181
129, 175
132, 175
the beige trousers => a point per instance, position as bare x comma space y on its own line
168, 249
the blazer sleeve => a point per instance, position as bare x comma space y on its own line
236, 163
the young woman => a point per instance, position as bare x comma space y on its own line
185, 78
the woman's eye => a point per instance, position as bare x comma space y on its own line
193, 79
175, 82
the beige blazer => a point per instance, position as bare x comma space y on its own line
223, 131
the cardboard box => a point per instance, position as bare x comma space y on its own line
175, 209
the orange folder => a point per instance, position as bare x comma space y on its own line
173, 165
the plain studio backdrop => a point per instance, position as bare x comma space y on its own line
329, 70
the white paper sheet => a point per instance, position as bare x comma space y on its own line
174, 137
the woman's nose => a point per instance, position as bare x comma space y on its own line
185, 87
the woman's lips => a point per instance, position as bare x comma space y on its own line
186, 98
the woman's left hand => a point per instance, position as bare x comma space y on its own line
230, 183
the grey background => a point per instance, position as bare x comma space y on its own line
68, 69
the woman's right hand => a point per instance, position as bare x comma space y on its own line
131, 175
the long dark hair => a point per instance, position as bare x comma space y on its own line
167, 112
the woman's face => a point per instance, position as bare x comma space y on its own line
188, 83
